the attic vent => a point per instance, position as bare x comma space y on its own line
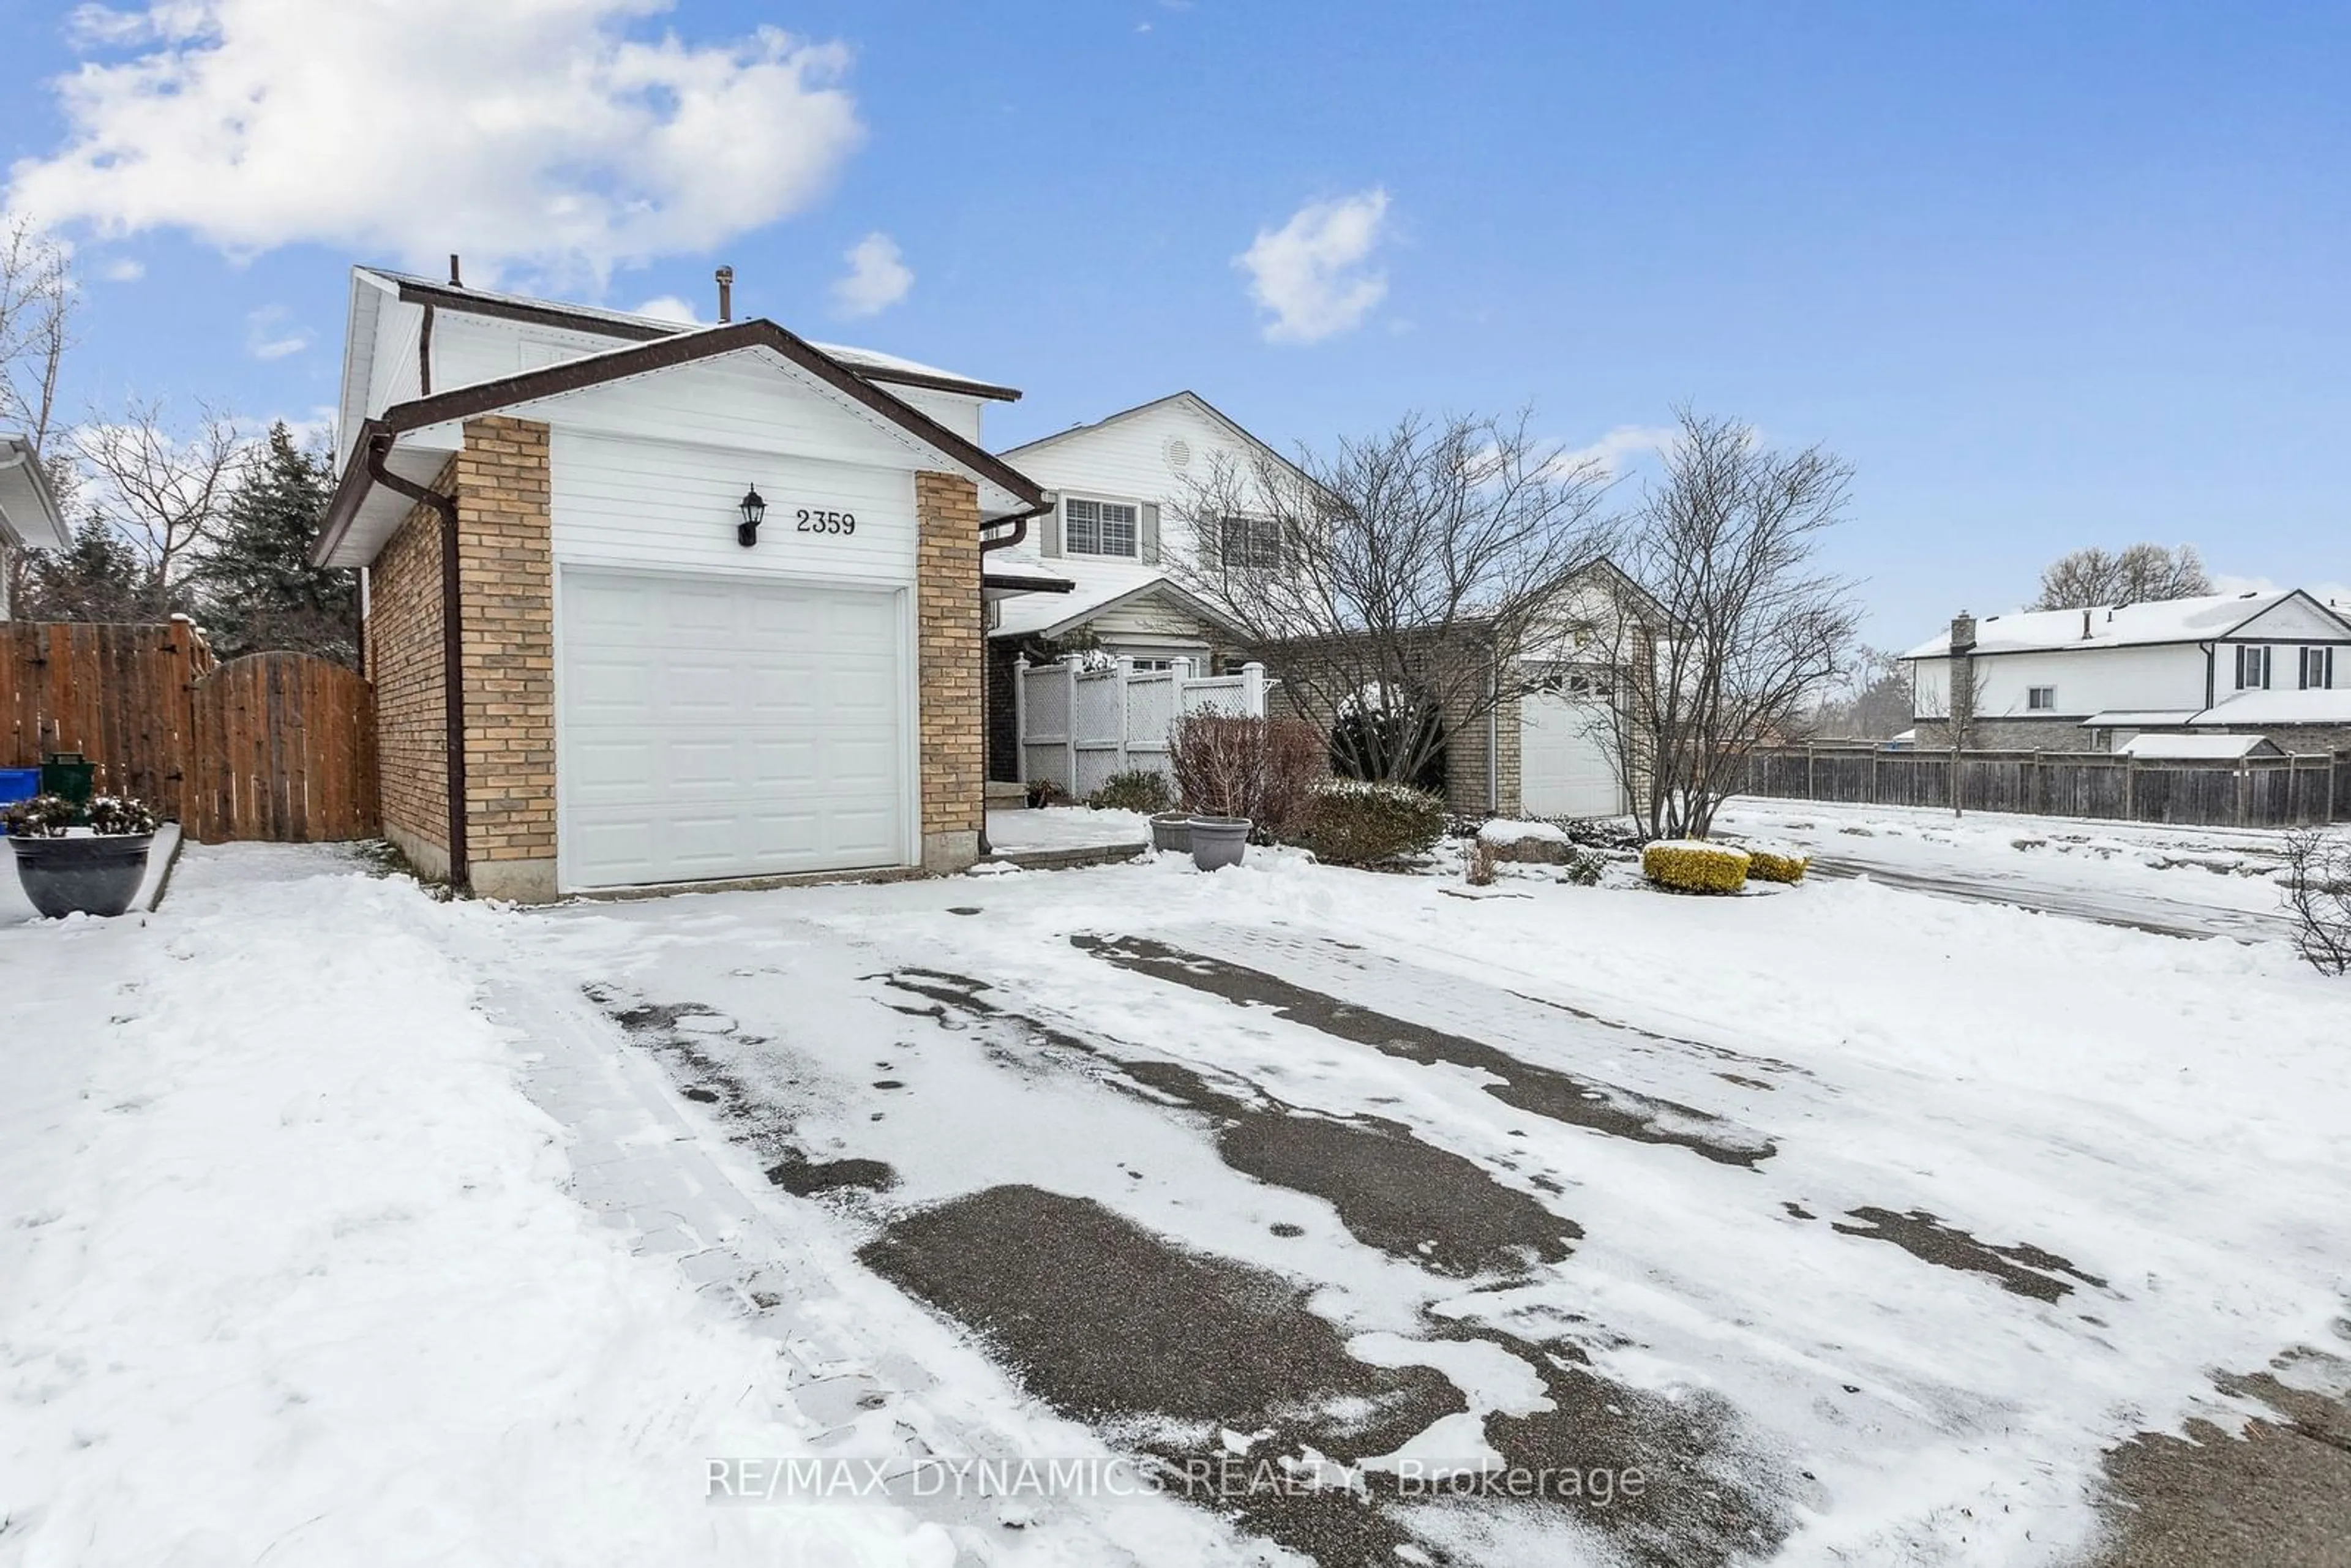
1178, 452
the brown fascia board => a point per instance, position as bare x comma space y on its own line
539, 314
661, 354
1027, 584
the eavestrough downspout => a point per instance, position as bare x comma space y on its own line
452, 638
1019, 522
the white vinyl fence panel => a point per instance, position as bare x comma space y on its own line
1081, 725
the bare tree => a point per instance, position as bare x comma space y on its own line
2088, 579
1723, 552
2318, 898
1391, 582
1956, 704
162, 493
36, 301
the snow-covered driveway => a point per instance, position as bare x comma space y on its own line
1843, 1222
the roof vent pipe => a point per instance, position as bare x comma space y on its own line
457, 277
726, 295
2086, 624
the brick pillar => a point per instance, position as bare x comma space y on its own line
505, 549
403, 666
948, 654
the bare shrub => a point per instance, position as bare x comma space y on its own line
2318, 898
1261, 768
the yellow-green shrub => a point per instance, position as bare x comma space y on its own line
1776, 865
1686, 866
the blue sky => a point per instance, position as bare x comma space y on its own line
2046, 276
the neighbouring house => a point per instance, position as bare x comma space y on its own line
1120, 499
649, 604
2270, 664
29, 518
1122, 493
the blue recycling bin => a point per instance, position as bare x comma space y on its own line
17, 784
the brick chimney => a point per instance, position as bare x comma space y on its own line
1963, 676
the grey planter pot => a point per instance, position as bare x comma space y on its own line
1218, 841
82, 875
1172, 830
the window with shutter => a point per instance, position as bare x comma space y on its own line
1098, 528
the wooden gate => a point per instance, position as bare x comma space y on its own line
285, 750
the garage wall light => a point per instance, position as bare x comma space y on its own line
755, 510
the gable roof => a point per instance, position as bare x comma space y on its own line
872, 365
2209, 618
1192, 400
650, 357
1097, 588
28, 510
2197, 748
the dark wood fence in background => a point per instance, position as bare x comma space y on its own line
275, 746
2258, 792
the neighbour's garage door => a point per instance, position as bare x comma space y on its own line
1564, 758
721, 727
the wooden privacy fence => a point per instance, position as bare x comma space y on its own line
273, 745
285, 749
2254, 792
122, 696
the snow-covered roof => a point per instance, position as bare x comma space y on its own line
2195, 748
2201, 620
1098, 586
2280, 707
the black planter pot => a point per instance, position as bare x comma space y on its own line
89, 875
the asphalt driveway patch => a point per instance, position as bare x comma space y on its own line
1544, 1092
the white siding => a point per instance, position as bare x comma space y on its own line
2093, 680
960, 414
1128, 461
2292, 619
666, 504
468, 349
745, 401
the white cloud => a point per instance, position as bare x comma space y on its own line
267, 336
537, 137
1311, 271
878, 276
669, 307
1621, 445
123, 269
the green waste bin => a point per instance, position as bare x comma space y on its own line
67, 773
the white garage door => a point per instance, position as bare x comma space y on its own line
1564, 767
719, 727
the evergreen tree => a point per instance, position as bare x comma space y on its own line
259, 589
98, 577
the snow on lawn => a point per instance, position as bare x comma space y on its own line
290, 1259
2153, 1127
286, 1269
2213, 880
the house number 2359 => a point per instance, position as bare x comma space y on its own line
815, 522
